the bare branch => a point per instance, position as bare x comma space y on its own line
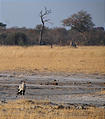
43, 17
46, 12
46, 20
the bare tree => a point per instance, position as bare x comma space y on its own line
44, 19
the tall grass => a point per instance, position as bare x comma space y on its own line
57, 59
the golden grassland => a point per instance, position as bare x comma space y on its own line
31, 109
84, 59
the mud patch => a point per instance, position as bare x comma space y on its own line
67, 89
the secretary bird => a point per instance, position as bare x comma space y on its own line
21, 88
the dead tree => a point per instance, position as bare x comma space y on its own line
43, 17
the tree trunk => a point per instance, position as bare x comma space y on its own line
41, 34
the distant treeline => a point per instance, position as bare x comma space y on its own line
55, 36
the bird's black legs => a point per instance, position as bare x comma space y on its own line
23, 92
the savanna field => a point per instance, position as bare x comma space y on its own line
43, 59
90, 60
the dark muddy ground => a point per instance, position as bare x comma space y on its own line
68, 89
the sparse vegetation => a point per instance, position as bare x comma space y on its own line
31, 109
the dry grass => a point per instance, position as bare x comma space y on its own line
58, 59
29, 109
